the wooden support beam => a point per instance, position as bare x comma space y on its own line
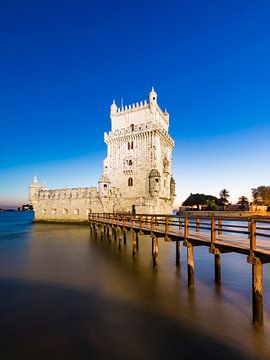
186, 228
219, 227
120, 238
110, 233
252, 236
125, 236
155, 251
257, 292
177, 243
190, 260
213, 230
134, 243
137, 240
197, 225
217, 268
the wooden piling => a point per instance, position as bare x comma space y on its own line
257, 292
155, 251
134, 243
137, 240
120, 239
177, 243
217, 268
190, 259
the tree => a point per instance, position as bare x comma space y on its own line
200, 200
195, 200
261, 195
243, 202
224, 196
211, 205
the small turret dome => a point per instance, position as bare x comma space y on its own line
34, 182
152, 96
104, 179
113, 108
154, 173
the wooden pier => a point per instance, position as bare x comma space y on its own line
248, 236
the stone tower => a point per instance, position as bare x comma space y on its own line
139, 157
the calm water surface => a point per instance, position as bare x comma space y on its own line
67, 295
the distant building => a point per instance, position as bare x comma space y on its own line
137, 172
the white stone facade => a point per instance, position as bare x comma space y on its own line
137, 172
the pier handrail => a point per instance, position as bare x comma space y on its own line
217, 226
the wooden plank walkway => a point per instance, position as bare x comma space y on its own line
248, 236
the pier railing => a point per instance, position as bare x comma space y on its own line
221, 234
249, 228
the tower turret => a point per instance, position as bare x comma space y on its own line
154, 183
104, 185
34, 189
152, 98
113, 108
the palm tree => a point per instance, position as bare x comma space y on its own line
243, 202
224, 195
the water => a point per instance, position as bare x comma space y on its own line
67, 295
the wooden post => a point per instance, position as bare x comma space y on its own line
186, 228
155, 251
101, 231
252, 236
134, 243
180, 223
190, 259
125, 236
166, 226
114, 233
120, 239
217, 268
197, 225
152, 224
213, 230
177, 243
137, 240
110, 233
219, 227
257, 291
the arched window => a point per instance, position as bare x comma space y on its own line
128, 146
132, 127
131, 145
130, 182
130, 162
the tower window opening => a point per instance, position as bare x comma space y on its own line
128, 146
105, 186
132, 127
131, 145
130, 182
130, 162
157, 180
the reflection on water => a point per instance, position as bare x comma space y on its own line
65, 294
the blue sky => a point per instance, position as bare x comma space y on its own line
62, 63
